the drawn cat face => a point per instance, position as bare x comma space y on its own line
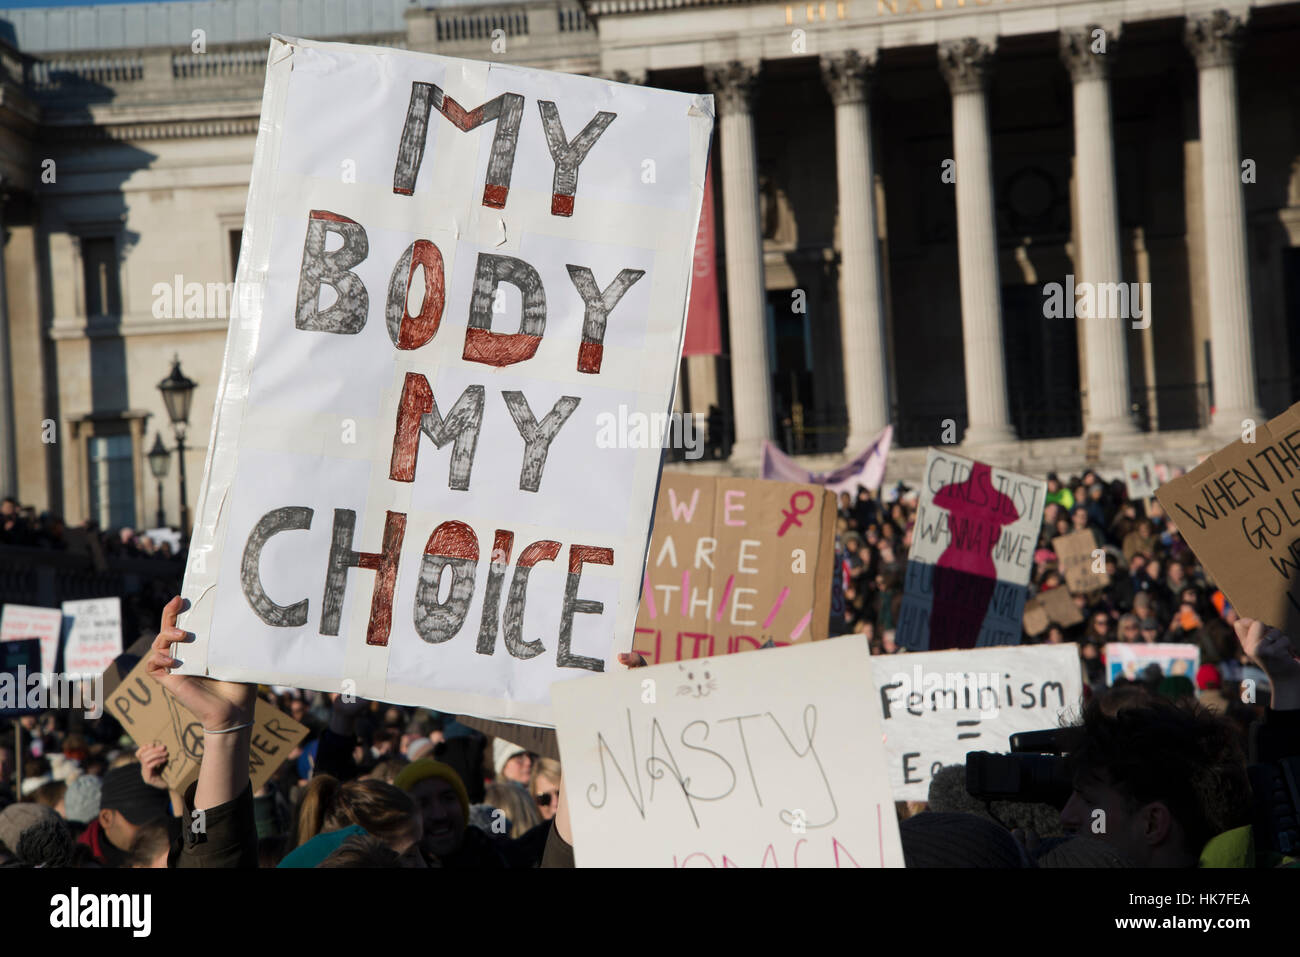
699, 680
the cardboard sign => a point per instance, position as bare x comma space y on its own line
20, 659
1060, 607
18, 622
735, 564
1130, 659
437, 436
540, 741
1140, 476
149, 714
92, 634
1074, 554
1239, 510
971, 557
767, 760
1051, 607
1092, 447
935, 707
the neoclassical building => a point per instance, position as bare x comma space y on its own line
1006, 223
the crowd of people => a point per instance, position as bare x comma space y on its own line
378, 785
1154, 588
22, 527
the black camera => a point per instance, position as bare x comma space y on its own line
1034, 772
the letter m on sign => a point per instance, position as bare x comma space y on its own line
507, 110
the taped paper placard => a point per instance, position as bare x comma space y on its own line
935, 707
453, 275
94, 634
766, 760
1130, 660
1140, 477
971, 557
19, 622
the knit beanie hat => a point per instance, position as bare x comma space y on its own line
17, 818
425, 768
81, 803
125, 791
503, 751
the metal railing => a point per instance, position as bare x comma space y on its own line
37, 576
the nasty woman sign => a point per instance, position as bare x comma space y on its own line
451, 273
971, 557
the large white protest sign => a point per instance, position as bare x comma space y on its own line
971, 557
93, 634
451, 273
19, 622
935, 707
771, 759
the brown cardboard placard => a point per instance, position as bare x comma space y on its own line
1239, 510
735, 564
1092, 447
1060, 607
540, 741
1074, 552
148, 713
1035, 621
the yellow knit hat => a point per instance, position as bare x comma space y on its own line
425, 768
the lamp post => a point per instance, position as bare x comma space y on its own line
178, 391
160, 460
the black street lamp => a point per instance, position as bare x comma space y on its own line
178, 391
160, 460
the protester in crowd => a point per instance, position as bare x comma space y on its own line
545, 786
221, 800
511, 763
521, 812
382, 810
447, 839
126, 804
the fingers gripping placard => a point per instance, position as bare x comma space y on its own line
484, 285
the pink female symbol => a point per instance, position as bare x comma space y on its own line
792, 515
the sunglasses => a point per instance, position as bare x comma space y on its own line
544, 799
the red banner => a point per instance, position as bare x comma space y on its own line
703, 335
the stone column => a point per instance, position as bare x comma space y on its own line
1097, 208
965, 64
703, 374
734, 85
863, 343
1215, 40
8, 433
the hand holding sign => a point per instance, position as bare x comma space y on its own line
1276, 654
219, 705
152, 758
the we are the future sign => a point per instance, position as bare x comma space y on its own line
451, 273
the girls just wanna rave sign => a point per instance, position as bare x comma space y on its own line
451, 271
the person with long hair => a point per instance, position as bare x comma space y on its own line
379, 808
